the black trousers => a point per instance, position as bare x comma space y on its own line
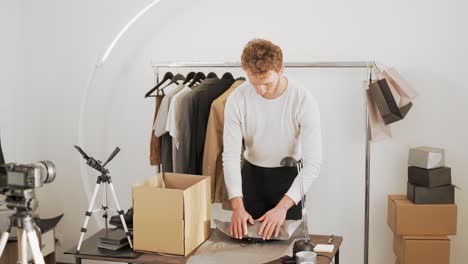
263, 188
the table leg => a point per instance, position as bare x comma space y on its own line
337, 257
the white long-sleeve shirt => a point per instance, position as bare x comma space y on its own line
272, 129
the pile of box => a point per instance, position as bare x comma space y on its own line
423, 219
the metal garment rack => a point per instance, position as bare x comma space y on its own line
369, 65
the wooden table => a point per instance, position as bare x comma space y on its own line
320, 239
323, 258
171, 259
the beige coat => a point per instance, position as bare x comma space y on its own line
212, 157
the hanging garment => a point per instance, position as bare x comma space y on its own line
272, 130
184, 123
161, 120
172, 125
160, 126
166, 153
202, 100
212, 155
155, 142
173, 114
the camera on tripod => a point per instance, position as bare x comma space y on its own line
18, 183
20, 180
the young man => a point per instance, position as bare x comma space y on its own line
273, 117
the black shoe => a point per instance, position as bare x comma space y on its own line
128, 217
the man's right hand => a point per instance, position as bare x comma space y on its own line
239, 218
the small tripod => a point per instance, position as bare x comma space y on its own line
25, 225
106, 179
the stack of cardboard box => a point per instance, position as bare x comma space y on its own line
423, 219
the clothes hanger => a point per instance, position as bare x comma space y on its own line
212, 75
175, 79
227, 76
167, 76
189, 77
197, 78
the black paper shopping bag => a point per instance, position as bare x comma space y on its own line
386, 103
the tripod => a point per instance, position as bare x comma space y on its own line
106, 180
25, 225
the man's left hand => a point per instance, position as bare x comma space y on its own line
272, 222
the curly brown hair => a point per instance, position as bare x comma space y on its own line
260, 56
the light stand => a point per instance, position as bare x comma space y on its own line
106, 180
304, 244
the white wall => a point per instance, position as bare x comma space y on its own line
12, 73
61, 40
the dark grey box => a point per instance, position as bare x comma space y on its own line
429, 177
435, 195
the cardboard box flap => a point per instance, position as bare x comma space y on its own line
391, 215
425, 238
153, 181
197, 204
181, 181
162, 210
161, 201
397, 197
400, 200
393, 202
174, 181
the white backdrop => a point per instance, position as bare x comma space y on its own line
50, 47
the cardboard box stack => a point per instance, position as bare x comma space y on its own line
423, 219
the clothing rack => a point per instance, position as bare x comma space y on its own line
369, 65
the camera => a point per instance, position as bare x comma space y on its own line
27, 176
19, 181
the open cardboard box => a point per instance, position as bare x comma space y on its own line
175, 219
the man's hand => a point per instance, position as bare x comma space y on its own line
239, 218
274, 219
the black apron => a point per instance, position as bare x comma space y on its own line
263, 188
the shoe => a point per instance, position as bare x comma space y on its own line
128, 217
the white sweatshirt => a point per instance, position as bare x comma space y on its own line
272, 130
